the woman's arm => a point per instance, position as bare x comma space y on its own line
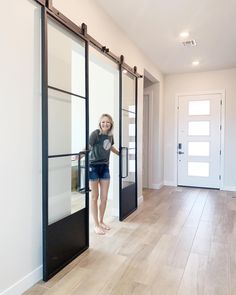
115, 150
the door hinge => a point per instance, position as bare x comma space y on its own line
220, 152
219, 177
220, 127
221, 102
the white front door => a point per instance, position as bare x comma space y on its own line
199, 140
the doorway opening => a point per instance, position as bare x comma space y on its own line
104, 98
152, 167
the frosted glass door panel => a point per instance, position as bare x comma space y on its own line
66, 60
198, 149
199, 128
66, 123
198, 169
199, 107
64, 197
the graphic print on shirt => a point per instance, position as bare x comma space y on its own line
106, 144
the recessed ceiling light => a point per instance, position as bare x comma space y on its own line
195, 63
184, 34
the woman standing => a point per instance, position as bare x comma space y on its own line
101, 144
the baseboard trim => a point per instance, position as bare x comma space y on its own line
140, 199
170, 183
115, 212
229, 188
25, 283
156, 185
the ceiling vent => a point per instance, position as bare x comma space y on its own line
189, 43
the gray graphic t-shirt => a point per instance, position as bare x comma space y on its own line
100, 147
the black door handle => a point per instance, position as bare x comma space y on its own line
82, 189
127, 162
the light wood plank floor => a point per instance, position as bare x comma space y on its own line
180, 241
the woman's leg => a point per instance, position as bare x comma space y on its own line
104, 186
94, 206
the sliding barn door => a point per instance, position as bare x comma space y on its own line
65, 139
128, 143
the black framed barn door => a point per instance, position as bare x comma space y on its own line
128, 143
65, 144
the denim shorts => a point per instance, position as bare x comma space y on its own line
99, 171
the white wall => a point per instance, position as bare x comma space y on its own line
197, 82
20, 115
20, 149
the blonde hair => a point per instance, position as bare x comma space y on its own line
111, 121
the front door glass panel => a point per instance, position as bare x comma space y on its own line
199, 107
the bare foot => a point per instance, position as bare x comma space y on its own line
98, 230
104, 226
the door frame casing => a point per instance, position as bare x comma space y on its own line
149, 93
222, 123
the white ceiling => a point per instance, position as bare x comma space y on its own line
154, 26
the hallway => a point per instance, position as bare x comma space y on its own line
180, 241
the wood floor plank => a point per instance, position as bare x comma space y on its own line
194, 279
179, 241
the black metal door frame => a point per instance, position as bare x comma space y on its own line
67, 238
128, 197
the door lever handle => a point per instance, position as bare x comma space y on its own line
180, 153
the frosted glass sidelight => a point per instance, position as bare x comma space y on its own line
198, 128
198, 148
199, 107
198, 169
